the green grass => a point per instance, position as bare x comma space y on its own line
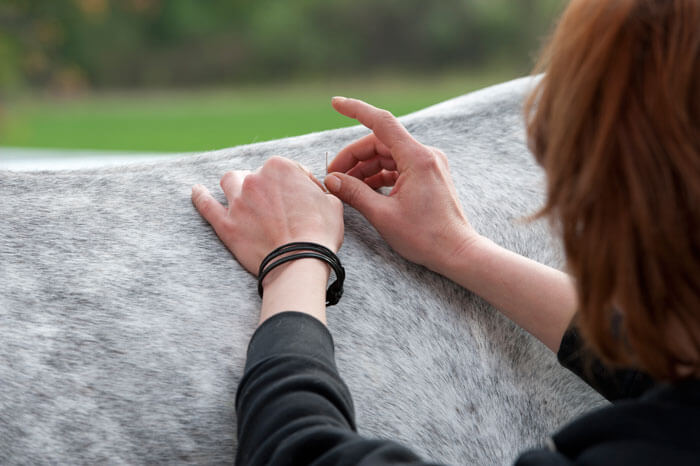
180, 121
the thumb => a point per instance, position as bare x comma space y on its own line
355, 192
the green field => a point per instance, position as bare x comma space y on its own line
181, 121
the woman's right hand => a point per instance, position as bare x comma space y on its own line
421, 218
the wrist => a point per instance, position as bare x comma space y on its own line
299, 285
457, 252
306, 270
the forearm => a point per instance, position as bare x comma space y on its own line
540, 299
291, 404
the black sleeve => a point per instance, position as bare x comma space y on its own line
543, 457
294, 409
612, 384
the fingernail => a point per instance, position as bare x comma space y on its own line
332, 182
339, 99
196, 189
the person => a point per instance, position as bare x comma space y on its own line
615, 124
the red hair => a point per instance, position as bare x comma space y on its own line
615, 123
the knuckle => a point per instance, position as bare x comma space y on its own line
204, 205
276, 162
441, 155
352, 194
386, 115
225, 177
427, 160
251, 182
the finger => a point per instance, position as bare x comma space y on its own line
232, 182
363, 149
208, 207
381, 179
371, 167
311, 176
387, 128
318, 183
282, 166
357, 194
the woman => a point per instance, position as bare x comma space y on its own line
615, 123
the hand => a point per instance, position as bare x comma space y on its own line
421, 218
280, 203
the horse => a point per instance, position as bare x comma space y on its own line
125, 321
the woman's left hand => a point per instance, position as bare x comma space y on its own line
280, 203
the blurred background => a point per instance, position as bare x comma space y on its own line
116, 79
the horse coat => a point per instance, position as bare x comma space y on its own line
124, 322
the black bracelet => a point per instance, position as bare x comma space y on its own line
317, 251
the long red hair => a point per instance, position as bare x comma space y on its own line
615, 123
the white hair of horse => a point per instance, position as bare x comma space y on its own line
125, 321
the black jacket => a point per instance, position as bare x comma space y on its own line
294, 409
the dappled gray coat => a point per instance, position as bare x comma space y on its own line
124, 321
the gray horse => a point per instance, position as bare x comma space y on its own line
125, 321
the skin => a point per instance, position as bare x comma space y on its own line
282, 202
278, 204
